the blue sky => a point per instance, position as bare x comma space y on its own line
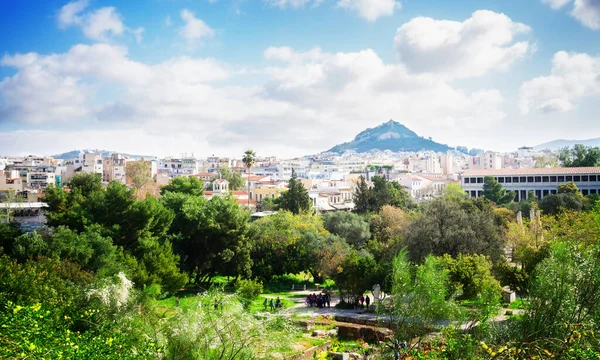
292, 77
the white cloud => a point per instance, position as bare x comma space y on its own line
370, 10
291, 3
187, 104
587, 12
556, 4
100, 24
194, 28
573, 77
70, 13
474, 47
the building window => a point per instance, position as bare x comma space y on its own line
473, 193
577, 178
538, 193
480, 180
466, 180
584, 178
561, 179
545, 179
473, 180
500, 180
593, 191
553, 192
538, 179
530, 179
569, 178
508, 179
546, 192
593, 178
523, 179
585, 192
552, 178
515, 179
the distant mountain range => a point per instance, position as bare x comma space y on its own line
104, 153
391, 136
561, 143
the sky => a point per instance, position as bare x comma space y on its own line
293, 77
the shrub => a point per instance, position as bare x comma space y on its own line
248, 290
472, 274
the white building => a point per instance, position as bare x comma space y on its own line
175, 167
542, 181
487, 160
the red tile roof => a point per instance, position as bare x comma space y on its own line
533, 171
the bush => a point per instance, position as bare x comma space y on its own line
472, 275
248, 290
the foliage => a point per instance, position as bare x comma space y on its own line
295, 199
184, 184
421, 299
361, 196
471, 275
8, 234
494, 191
447, 227
351, 227
248, 290
138, 173
580, 156
354, 275
236, 181
228, 332
389, 224
209, 235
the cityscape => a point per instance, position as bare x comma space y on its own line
299, 179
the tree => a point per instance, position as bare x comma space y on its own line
355, 275
210, 236
454, 192
569, 188
138, 173
236, 181
380, 194
580, 156
399, 196
351, 227
390, 223
555, 203
447, 227
361, 196
295, 199
184, 185
494, 191
471, 275
249, 159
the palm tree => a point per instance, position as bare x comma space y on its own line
249, 159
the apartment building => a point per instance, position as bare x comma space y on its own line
10, 181
114, 168
542, 181
185, 166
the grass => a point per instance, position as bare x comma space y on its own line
257, 304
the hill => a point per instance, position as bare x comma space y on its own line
561, 143
104, 153
391, 136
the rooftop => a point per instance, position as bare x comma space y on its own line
533, 171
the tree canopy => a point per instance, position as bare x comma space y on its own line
295, 199
580, 156
494, 191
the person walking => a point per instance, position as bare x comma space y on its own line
278, 303
368, 301
362, 301
271, 304
265, 303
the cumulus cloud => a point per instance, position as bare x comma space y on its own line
194, 28
474, 47
370, 10
291, 3
100, 24
587, 12
573, 77
188, 104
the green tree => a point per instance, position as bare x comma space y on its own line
471, 276
555, 203
249, 159
447, 227
236, 181
569, 188
210, 236
138, 173
399, 196
186, 185
380, 194
580, 156
295, 199
351, 227
494, 191
86, 183
361, 196
355, 275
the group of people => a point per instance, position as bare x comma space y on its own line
272, 304
364, 300
319, 301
